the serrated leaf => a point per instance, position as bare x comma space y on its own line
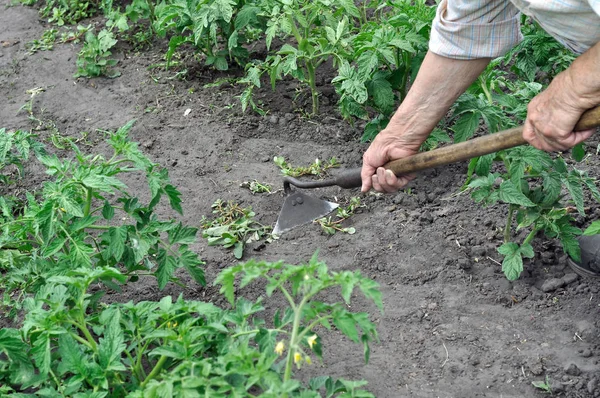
512, 265
465, 126
192, 264
166, 266
575, 189
345, 323
117, 238
111, 346
40, 351
174, 198
182, 235
13, 346
508, 193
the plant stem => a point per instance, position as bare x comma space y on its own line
531, 235
484, 87
511, 210
88, 202
155, 371
294, 340
313, 87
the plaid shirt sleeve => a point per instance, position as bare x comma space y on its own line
471, 29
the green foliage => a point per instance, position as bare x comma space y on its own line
63, 12
45, 43
317, 168
545, 386
15, 148
71, 223
256, 187
539, 56
331, 226
386, 54
233, 227
300, 285
535, 187
219, 29
72, 344
94, 58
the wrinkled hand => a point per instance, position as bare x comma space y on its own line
552, 115
387, 146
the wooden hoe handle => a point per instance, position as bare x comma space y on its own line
477, 147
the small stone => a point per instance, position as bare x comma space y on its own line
570, 278
427, 217
463, 263
478, 251
586, 353
552, 284
557, 387
432, 306
273, 119
390, 209
572, 370
591, 385
148, 144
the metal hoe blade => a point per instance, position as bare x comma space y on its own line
299, 209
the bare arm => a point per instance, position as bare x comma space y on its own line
439, 83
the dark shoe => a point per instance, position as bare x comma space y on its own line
589, 266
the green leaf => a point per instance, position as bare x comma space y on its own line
54, 247
484, 164
40, 351
512, 265
508, 193
578, 152
173, 194
465, 126
345, 323
72, 358
238, 250
111, 346
166, 266
575, 188
192, 263
182, 235
117, 238
593, 229
71, 207
13, 346
108, 212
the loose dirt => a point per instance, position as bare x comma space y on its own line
453, 325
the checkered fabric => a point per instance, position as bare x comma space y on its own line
469, 29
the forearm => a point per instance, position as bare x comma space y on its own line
439, 83
583, 79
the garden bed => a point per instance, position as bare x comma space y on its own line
453, 325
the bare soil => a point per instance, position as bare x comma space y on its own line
453, 325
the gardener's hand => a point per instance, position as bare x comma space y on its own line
387, 146
552, 115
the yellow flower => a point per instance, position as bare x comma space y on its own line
312, 340
308, 360
279, 348
297, 358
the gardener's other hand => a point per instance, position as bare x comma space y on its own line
387, 146
552, 115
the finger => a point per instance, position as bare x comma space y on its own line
366, 174
387, 181
375, 183
538, 140
576, 137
